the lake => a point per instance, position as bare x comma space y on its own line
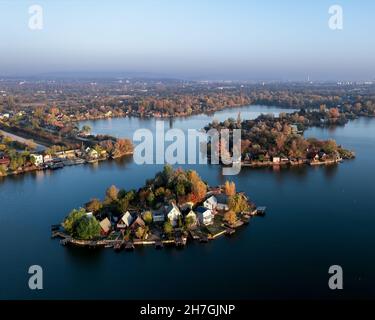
316, 217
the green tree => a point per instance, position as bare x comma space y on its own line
147, 217
87, 228
74, 216
168, 228
86, 129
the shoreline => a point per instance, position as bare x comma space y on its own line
192, 235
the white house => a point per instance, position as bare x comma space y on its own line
38, 158
92, 153
173, 214
210, 203
276, 160
222, 202
125, 221
205, 216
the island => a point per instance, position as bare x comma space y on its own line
174, 206
279, 141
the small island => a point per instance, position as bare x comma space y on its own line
174, 206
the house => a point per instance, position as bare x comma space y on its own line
192, 215
210, 203
276, 160
4, 161
158, 216
205, 216
38, 159
294, 129
222, 202
105, 226
173, 213
138, 223
47, 158
125, 221
92, 153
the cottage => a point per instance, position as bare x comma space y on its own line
173, 213
276, 160
138, 223
205, 216
92, 153
294, 129
4, 161
125, 221
47, 158
38, 159
210, 203
105, 226
222, 202
192, 215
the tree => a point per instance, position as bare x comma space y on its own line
87, 228
141, 232
189, 222
230, 217
112, 193
3, 170
238, 203
147, 217
334, 113
199, 188
168, 228
86, 129
122, 147
94, 205
73, 217
230, 188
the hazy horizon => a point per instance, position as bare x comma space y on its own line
196, 40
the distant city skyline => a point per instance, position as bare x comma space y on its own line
197, 40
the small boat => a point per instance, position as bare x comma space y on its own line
203, 239
159, 245
117, 247
261, 211
129, 246
230, 231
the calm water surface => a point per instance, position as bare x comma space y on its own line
317, 217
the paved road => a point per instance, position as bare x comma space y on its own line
39, 147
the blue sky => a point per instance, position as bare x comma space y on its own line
206, 39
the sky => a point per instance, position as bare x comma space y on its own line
192, 39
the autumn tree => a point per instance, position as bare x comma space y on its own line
112, 193
238, 203
198, 187
94, 205
230, 217
230, 188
